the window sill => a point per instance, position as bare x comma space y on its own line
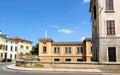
68, 53
109, 11
79, 53
44, 53
56, 53
111, 35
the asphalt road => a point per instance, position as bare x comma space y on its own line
4, 71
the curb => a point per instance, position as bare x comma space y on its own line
13, 67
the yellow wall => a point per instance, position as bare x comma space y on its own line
62, 58
50, 55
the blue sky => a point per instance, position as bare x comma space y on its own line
64, 20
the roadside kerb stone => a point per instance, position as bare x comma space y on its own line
13, 67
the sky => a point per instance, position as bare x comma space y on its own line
64, 20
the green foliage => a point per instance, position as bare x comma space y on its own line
35, 49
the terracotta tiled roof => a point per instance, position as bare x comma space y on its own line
21, 39
45, 39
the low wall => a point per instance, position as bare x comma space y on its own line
21, 56
104, 67
109, 67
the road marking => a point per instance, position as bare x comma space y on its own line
10, 70
4, 68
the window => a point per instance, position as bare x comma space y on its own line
0, 46
68, 50
112, 54
44, 43
79, 50
110, 27
57, 50
15, 48
44, 49
68, 60
15, 56
11, 48
109, 5
57, 60
79, 60
10, 56
27, 47
15, 42
21, 46
1, 55
3, 47
94, 12
6, 47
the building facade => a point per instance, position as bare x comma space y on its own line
105, 30
23, 46
10, 47
50, 51
2, 45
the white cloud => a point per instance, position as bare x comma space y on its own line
66, 31
86, 1
82, 38
55, 26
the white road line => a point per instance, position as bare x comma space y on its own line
10, 70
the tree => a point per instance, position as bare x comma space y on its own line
35, 49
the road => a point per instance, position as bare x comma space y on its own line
4, 71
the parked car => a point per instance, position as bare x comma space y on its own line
6, 60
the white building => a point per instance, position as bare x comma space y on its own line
23, 46
11, 48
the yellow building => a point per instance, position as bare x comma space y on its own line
50, 51
2, 45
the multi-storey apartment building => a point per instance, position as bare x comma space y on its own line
105, 30
10, 47
2, 45
23, 46
50, 51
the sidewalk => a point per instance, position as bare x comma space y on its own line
13, 67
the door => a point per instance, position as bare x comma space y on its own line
112, 54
